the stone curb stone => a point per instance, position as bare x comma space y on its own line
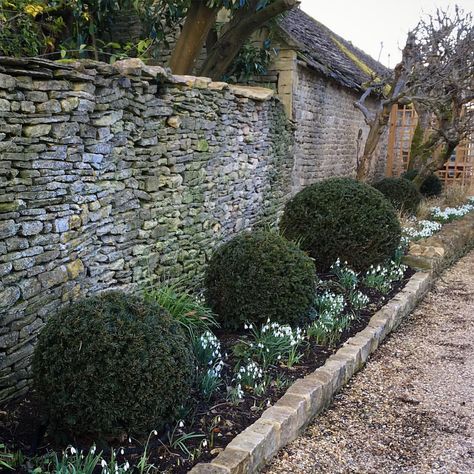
283, 422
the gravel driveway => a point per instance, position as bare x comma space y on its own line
411, 410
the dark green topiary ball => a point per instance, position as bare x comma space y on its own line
342, 218
432, 185
112, 364
257, 276
401, 193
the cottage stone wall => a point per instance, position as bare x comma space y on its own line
121, 177
326, 137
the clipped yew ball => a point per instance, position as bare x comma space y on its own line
112, 364
431, 186
401, 193
342, 218
258, 276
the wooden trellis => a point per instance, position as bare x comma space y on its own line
403, 120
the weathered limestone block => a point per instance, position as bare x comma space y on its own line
54, 277
34, 131
75, 268
29, 228
8, 228
8, 297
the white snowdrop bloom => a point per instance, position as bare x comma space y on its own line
181, 424
93, 448
126, 466
122, 452
155, 432
246, 326
103, 463
204, 444
73, 450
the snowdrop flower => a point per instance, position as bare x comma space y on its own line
122, 452
155, 432
204, 444
103, 463
73, 450
181, 424
126, 466
93, 448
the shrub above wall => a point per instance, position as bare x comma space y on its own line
110, 365
257, 276
342, 218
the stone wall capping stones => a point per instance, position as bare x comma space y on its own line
312, 394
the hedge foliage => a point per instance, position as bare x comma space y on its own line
401, 193
112, 364
432, 185
257, 276
342, 218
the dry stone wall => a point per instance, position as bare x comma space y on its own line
327, 133
120, 177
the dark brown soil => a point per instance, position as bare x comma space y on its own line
218, 420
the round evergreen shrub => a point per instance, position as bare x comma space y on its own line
431, 186
401, 193
260, 275
342, 218
112, 364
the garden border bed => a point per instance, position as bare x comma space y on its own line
283, 422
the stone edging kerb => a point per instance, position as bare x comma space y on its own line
283, 422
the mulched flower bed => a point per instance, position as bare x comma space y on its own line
218, 420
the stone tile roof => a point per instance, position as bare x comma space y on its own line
328, 53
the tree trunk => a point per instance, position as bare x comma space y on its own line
199, 21
439, 160
422, 144
244, 22
376, 130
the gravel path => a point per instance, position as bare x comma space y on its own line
411, 410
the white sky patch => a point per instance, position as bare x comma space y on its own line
368, 23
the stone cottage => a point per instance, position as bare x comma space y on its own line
319, 76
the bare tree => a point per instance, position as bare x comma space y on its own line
443, 89
390, 90
436, 76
